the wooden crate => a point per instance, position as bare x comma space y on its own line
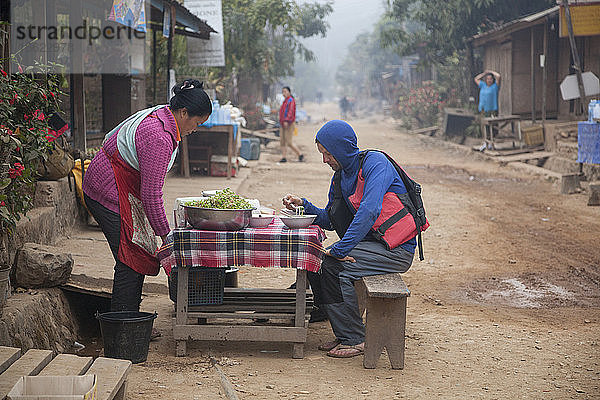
533, 135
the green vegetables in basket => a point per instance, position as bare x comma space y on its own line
225, 200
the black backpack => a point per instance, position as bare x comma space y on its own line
416, 208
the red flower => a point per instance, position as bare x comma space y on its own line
2, 204
44, 96
39, 114
16, 171
52, 94
3, 72
13, 173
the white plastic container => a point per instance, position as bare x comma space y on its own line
591, 107
596, 112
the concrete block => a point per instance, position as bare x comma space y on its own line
594, 199
569, 183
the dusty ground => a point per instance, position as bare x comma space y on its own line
505, 305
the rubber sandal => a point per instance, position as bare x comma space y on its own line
354, 351
332, 344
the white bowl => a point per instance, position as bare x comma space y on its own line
297, 221
260, 221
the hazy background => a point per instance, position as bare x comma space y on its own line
349, 18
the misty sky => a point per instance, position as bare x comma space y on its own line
349, 18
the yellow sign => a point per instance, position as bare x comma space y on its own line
585, 19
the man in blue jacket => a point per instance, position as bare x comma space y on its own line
358, 253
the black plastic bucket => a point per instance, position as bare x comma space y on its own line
126, 334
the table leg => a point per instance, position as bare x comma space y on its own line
229, 151
182, 304
300, 317
519, 131
483, 132
185, 157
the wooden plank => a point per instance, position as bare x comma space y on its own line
425, 130
111, 374
386, 285
386, 321
525, 156
240, 333
240, 315
8, 355
510, 151
260, 292
31, 363
261, 134
67, 364
245, 307
77, 288
501, 118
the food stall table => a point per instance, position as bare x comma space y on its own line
201, 138
492, 125
273, 246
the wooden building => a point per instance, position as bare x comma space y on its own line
515, 49
97, 102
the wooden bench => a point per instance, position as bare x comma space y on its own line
384, 298
111, 374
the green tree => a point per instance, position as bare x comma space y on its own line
361, 71
261, 45
262, 36
440, 29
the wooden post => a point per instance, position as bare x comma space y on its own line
77, 85
181, 317
185, 158
154, 66
545, 73
170, 44
300, 317
532, 71
230, 150
575, 55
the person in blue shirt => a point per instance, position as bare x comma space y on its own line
489, 84
358, 253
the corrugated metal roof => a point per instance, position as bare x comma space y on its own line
184, 17
514, 25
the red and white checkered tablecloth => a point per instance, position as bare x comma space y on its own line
273, 246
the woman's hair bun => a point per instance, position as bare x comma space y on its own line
189, 94
187, 84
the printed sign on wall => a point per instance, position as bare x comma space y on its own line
207, 53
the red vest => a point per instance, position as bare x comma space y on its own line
396, 222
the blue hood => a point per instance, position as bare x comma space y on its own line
339, 139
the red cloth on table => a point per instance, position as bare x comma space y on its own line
273, 246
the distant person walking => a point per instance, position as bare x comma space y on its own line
489, 84
287, 120
344, 107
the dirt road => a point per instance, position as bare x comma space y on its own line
505, 305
